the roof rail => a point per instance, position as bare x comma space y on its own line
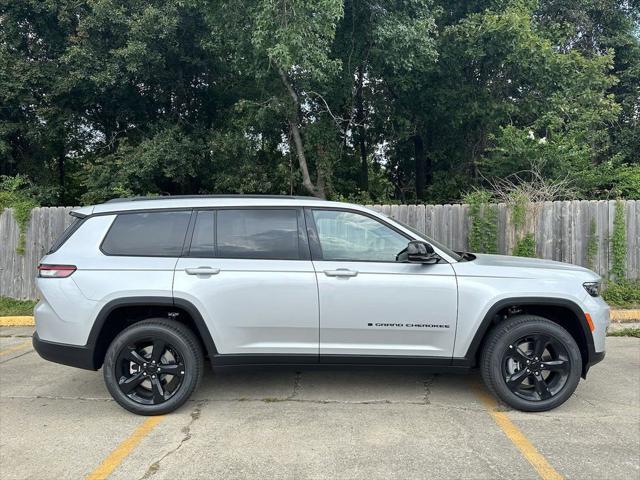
180, 197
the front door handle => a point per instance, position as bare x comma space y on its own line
341, 272
202, 271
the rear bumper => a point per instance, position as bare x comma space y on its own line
71, 355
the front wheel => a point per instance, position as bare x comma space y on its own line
153, 366
531, 363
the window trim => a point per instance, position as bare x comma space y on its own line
314, 239
138, 212
303, 243
186, 252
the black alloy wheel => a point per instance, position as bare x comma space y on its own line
153, 366
150, 371
531, 363
536, 367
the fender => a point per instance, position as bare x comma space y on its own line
470, 356
187, 306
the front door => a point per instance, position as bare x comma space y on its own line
249, 273
370, 304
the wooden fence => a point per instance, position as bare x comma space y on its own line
562, 231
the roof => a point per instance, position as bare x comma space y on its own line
175, 197
200, 201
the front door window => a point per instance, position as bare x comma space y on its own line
348, 236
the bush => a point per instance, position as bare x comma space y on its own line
15, 193
11, 307
623, 294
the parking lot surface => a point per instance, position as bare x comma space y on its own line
59, 422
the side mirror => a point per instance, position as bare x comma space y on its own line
419, 252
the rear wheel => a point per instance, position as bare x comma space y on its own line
153, 366
531, 363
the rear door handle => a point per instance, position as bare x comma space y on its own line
202, 271
341, 272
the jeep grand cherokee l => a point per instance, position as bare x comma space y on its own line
148, 288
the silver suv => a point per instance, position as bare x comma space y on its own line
149, 287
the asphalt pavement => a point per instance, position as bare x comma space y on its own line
58, 422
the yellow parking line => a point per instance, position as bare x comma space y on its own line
513, 433
123, 450
15, 348
16, 321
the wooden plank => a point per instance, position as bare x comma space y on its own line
411, 216
464, 232
429, 220
611, 207
505, 232
633, 240
420, 218
566, 231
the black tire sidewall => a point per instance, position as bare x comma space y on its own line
506, 335
178, 338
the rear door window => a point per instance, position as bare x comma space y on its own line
259, 234
149, 234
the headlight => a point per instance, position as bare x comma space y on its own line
592, 288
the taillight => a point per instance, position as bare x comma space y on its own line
55, 271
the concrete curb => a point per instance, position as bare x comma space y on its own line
623, 316
17, 321
617, 316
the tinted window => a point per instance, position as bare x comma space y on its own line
266, 234
155, 234
202, 242
351, 236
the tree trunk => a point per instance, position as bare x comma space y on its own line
364, 164
316, 190
420, 168
61, 177
429, 159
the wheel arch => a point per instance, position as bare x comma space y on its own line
133, 309
564, 312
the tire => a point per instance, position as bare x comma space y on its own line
153, 366
531, 363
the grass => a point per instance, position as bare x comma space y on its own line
10, 307
624, 294
625, 332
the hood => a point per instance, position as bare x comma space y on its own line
529, 263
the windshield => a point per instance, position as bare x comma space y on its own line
436, 244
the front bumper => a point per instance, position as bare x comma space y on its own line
71, 355
594, 358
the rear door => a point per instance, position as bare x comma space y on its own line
249, 272
370, 304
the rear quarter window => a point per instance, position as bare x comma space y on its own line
66, 234
148, 234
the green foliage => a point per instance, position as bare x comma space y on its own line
298, 33
15, 194
619, 243
417, 100
592, 245
625, 332
11, 307
518, 209
625, 293
526, 246
483, 235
